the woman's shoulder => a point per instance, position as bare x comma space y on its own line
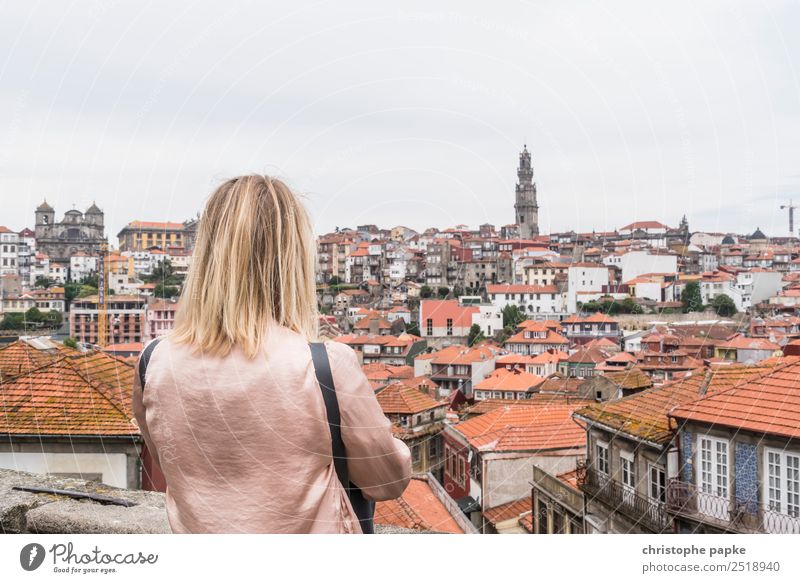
341, 354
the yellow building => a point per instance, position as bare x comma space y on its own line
141, 235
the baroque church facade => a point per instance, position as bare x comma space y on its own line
76, 232
526, 209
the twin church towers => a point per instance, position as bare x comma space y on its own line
526, 209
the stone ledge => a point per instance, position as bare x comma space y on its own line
27, 512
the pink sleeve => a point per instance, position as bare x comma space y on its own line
378, 463
140, 414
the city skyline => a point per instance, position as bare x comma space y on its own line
412, 117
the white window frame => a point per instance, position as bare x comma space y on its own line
605, 467
660, 485
781, 480
713, 478
627, 470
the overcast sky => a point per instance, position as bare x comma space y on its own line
412, 115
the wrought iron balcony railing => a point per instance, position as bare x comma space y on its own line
690, 501
646, 513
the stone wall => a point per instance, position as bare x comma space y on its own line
27, 512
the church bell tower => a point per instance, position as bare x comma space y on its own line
526, 209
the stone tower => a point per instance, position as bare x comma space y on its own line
526, 209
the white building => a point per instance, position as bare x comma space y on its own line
636, 263
584, 278
58, 273
535, 301
81, 266
9, 252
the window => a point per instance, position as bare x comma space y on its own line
626, 468
541, 517
782, 481
712, 479
448, 461
558, 522
415, 454
602, 457
449, 326
658, 484
433, 448
429, 326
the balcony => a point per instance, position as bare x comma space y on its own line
689, 501
646, 513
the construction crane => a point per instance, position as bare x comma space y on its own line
791, 208
102, 295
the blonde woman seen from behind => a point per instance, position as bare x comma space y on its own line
231, 410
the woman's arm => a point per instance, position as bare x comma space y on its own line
140, 415
377, 462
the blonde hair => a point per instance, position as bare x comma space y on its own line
253, 265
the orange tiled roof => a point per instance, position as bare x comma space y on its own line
380, 370
551, 338
161, 226
508, 511
524, 427
766, 404
458, 354
742, 342
21, 357
67, 398
502, 379
632, 378
417, 509
401, 399
644, 414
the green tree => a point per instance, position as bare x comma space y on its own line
413, 329
164, 273
475, 335
165, 291
44, 282
86, 291
723, 305
512, 316
425, 291
629, 306
691, 298
12, 322
71, 291
443, 291
71, 343
53, 318
334, 280
34, 315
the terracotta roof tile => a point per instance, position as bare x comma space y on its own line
399, 398
23, 356
417, 509
544, 426
508, 511
644, 415
767, 404
502, 379
72, 396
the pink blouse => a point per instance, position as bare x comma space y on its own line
244, 444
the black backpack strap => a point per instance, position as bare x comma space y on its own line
322, 367
363, 508
144, 359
